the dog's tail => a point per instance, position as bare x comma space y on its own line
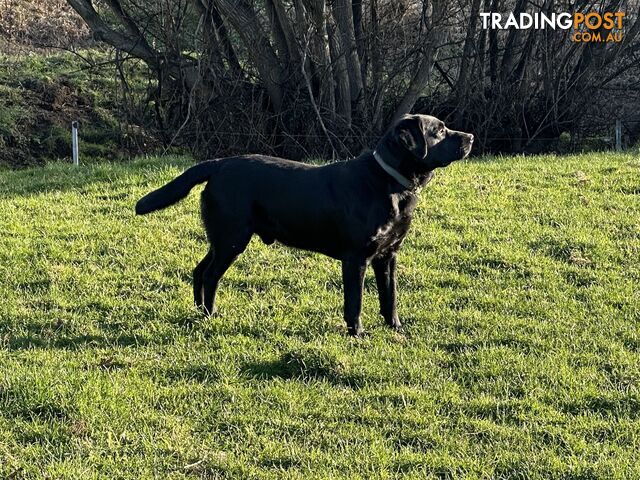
176, 189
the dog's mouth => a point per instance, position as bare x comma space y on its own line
456, 147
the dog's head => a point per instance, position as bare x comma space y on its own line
424, 142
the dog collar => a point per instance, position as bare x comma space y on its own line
397, 176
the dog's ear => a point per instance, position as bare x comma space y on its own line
408, 134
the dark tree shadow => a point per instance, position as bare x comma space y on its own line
306, 364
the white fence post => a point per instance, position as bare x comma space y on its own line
74, 143
618, 135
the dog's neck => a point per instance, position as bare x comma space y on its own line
395, 174
403, 170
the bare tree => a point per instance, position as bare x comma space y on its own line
281, 75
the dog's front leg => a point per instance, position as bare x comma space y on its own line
353, 269
385, 270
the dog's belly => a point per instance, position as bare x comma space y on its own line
305, 234
334, 242
334, 229
334, 250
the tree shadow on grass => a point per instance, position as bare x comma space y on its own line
615, 404
34, 182
459, 346
305, 364
105, 334
60, 178
33, 341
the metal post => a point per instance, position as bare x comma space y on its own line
74, 143
618, 135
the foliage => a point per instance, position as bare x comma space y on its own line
520, 358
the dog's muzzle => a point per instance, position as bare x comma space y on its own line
467, 144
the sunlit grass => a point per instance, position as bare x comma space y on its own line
520, 358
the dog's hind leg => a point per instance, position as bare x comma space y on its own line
197, 278
225, 251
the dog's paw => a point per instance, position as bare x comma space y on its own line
394, 324
398, 330
356, 332
209, 312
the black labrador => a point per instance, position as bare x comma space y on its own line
356, 211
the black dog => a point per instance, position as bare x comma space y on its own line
357, 211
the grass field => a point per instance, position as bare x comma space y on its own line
520, 357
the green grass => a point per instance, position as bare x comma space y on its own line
520, 358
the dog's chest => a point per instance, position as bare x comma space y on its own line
391, 232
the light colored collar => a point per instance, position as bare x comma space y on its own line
397, 176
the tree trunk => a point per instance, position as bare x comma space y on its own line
277, 32
320, 50
493, 48
343, 95
421, 78
511, 44
462, 85
211, 45
242, 16
225, 42
376, 68
359, 36
133, 45
343, 16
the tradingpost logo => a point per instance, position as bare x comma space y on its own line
587, 27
